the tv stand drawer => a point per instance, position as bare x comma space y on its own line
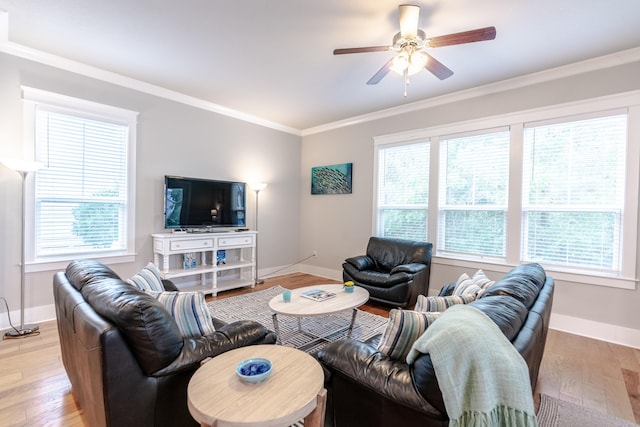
179, 245
225, 242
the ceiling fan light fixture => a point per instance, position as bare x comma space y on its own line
412, 63
410, 45
417, 62
400, 63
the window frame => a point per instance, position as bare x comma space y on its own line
629, 101
444, 207
32, 98
614, 209
377, 223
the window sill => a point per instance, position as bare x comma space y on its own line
558, 275
61, 264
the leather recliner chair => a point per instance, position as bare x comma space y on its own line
394, 271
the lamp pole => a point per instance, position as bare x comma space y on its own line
23, 168
257, 187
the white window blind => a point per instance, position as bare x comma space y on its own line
403, 191
81, 194
474, 181
573, 192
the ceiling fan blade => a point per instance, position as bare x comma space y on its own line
360, 50
381, 73
481, 34
437, 68
409, 16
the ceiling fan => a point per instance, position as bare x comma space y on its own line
411, 44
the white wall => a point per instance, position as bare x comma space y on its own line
340, 226
177, 139
173, 138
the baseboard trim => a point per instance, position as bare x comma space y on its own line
301, 268
322, 272
40, 314
600, 331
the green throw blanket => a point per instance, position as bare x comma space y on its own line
483, 378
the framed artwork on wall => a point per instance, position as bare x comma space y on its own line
332, 179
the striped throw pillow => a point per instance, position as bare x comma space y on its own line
426, 303
465, 285
148, 279
481, 279
403, 329
189, 310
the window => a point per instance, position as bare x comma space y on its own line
403, 191
83, 198
573, 192
474, 182
557, 185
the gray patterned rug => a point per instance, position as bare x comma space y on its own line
255, 306
558, 413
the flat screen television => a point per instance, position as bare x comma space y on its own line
192, 203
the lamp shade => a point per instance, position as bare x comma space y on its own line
257, 186
21, 165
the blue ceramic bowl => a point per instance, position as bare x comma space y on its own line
254, 370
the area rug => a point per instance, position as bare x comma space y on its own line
255, 306
559, 413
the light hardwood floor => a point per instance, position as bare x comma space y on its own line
35, 391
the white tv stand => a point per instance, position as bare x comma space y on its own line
238, 270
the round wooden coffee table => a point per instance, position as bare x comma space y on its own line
293, 391
300, 306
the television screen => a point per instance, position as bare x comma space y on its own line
202, 203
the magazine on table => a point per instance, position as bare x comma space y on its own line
318, 294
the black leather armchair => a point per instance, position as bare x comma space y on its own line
394, 271
123, 353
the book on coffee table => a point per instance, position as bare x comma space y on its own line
318, 294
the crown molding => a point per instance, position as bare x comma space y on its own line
45, 58
602, 62
15, 49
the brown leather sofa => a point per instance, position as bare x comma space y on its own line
124, 355
368, 389
394, 271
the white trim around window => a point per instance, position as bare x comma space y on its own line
626, 277
92, 113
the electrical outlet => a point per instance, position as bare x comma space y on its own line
315, 253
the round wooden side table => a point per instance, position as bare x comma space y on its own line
293, 391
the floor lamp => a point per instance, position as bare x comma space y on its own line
257, 187
23, 168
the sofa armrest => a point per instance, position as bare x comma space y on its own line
233, 335
217, 323
169, 286
247, 332
412, 268
447, 289
362, 364
361, 262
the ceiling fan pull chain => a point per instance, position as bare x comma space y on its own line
406, 81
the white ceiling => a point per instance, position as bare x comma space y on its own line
272, 59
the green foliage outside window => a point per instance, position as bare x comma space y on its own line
97, 223
475, 231
408, 224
